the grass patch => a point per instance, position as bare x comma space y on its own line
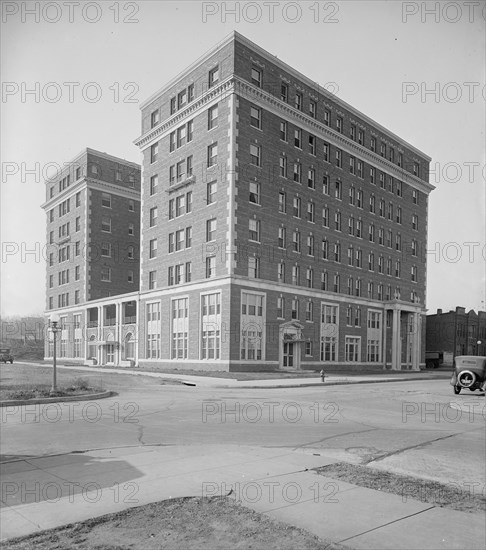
179, 524
21, 382
432, 492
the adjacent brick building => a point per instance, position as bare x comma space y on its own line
93, 241
456, 332
280, 226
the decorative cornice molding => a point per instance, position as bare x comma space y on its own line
328, 134
162, 129
257, 95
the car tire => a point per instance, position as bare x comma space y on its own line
466, 378
457, 389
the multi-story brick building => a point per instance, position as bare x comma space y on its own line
93, 242
280, 226
456, 332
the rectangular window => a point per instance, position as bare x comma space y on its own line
180, 328
181, 99
253, 268
153, 217
298, 101
153, 248
339, 158
181, 136
280, 308
284, 92
256, 117
154, 183
311, 212
282, 237
256, 77
211, 192
326, 152
310, 245
352, 349
212, 117
210, 323
298, 138
297, 172
313, 108
106, 225
282, 202
211, 230
325, 185
284, 131
106, 274
339, 124
106, 200
154, 151
152, 280
213, 76
212, 154
283, 166
255, 155
311, 178
106, 249
254, 230
254, 192
294, 312
297, 207
296, 240
361, 137
312, 144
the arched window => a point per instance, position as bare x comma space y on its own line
129, 346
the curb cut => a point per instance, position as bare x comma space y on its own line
61, 399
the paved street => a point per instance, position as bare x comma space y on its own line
403, 426
186, 436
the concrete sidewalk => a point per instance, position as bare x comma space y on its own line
216, 382
46, 492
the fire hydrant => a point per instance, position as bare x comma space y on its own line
323, 375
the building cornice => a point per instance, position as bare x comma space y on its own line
92, 183
271, 103
339, 103
212, 95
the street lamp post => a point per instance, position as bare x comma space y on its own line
54, 328
478, 343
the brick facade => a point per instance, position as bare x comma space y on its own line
304, 220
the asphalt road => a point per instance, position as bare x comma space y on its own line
406, 427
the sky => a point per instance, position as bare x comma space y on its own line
75, 73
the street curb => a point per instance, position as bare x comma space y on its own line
316, 384
186, 380
61, 399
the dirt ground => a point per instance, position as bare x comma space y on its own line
439, 494
178, 524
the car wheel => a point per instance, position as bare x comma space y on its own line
466, 378
11, 361
457, 389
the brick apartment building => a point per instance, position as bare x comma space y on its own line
280, 226
93, 246
456, 332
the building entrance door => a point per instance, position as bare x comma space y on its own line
288, 354
110, 353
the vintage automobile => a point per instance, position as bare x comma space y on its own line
469, 371
5, 355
